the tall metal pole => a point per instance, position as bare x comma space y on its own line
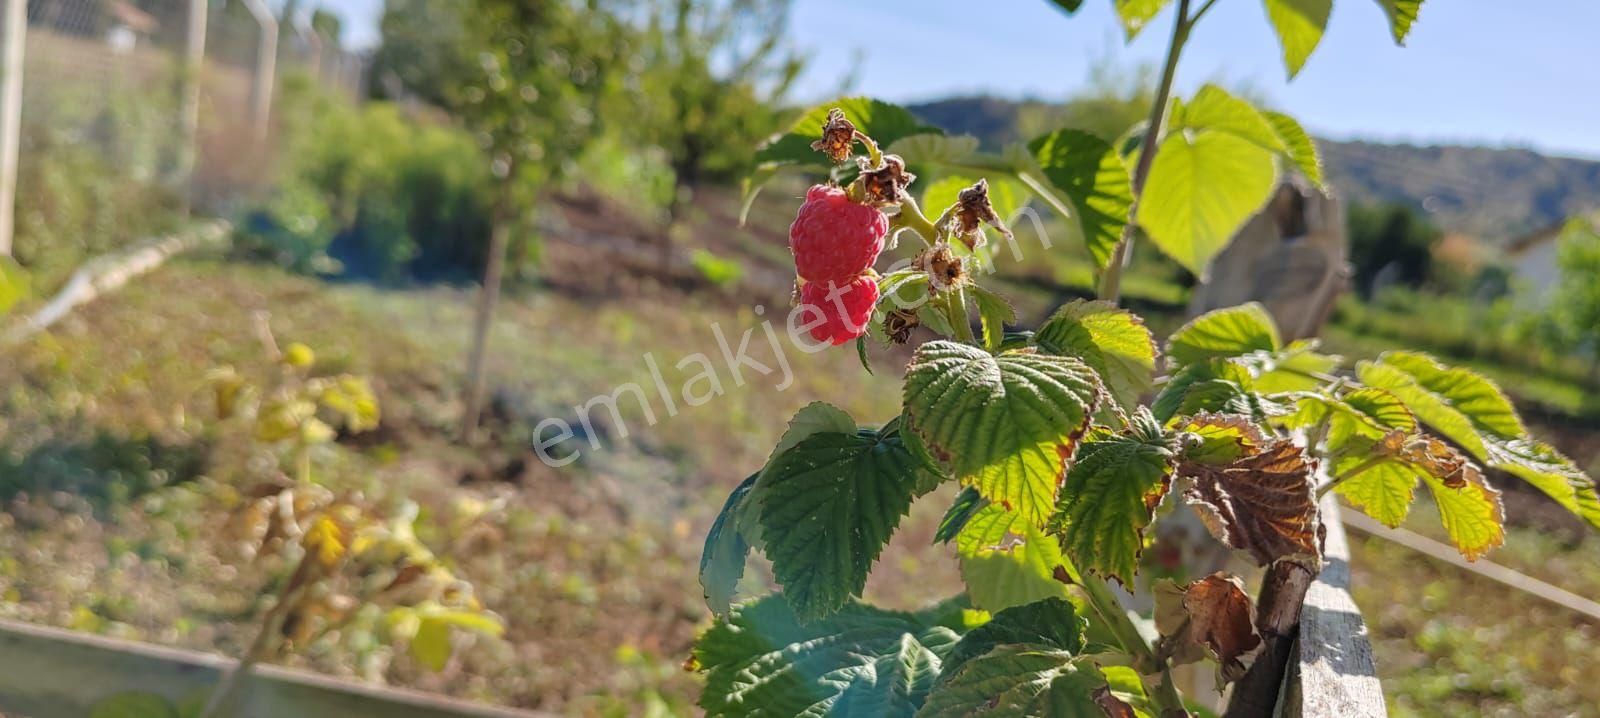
194, 53
261, 83
11, 42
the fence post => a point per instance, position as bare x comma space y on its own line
194, 54
11, 43
261, 83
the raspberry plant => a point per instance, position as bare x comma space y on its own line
1063, 466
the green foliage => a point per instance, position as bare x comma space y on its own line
1004, 424
828, 505
1299, 24
1063, 468
1109, 497
1390, 236
15, 284
1114, 342
1052, 622
1224, 333
1088, 171
1020, 680
860, 661
1573, 317
1007, 560
372, 192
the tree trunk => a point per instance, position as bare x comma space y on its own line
488, 297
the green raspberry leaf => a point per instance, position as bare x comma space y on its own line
1108, 499
1402, 13
1021, 680
1302, 150
1214, 108
1112, 341
967, 504
1005, 424
1053, 622
1135, 14
763, 661
1471, 512
994, 312
1203, 186
1093, 177
722, 560
1224, 333
1007, 561
1471, 411
1299, 24
828, 507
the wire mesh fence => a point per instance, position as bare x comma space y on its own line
169, 101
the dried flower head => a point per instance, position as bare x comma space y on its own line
838, 137
899, 323
886, 184
945, 270
971, 211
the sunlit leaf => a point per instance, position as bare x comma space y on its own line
1135, 14
1005, 424
1213, 108
1007, 561
1107, 500
1112, 341
1402, 13
882, 121
1302, 150
1299, 24
994, 312
1471, 513
1224, 333
966, 505
1203, 186
1092, 176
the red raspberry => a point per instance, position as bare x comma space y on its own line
834, 239
845, 308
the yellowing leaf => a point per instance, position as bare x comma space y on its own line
431, 645
1472, 514
325, 539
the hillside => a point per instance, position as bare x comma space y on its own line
1488, 192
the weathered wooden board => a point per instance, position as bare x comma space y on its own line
1335, 675
53, 673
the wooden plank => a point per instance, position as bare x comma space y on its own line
1335, 675
1488, 569
54, 673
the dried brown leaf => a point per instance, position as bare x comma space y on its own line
1262, 503
1213, 617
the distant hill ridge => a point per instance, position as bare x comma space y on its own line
1495, 194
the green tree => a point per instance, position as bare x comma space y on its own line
714, 73
1390, 234
1573, 319
521, 75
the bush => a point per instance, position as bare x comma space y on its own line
373, 193
78, 197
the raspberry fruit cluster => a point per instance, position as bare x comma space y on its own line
835, 240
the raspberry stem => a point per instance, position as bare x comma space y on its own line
911, 217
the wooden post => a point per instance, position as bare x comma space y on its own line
11, 43
194, 54
261, 82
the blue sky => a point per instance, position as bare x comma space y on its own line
1473, 71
